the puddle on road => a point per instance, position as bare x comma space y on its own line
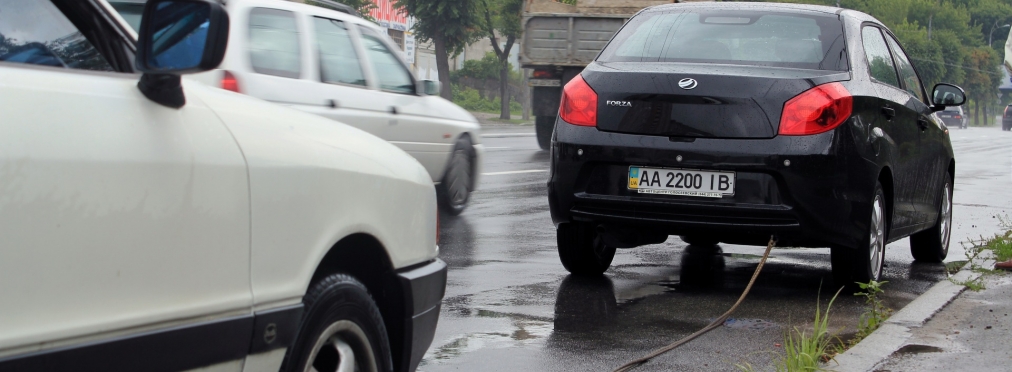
750, 324
520, 332
918, 349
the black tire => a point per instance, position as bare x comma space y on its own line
454, 191
582, 251
543, 127
339, 310
932, 245
864, 263
699, 240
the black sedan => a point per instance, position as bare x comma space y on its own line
733, 122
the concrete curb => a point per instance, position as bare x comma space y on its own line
894, 333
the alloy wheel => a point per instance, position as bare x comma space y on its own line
342, 347
876, 238
945, 219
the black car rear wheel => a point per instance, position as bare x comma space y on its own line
932, 245
581, 249
699, 240
864, 263
543, 127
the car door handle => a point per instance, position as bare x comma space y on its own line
332, 103
923, 124
393, 110
889, 112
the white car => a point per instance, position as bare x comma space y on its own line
171, 226
343, 67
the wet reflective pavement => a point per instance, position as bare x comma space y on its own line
511, 306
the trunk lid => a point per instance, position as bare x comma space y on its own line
726, 101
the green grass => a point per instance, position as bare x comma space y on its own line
804, 351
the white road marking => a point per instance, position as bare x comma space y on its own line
515, 172
507, 135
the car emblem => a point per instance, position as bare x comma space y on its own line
619, 103
687, 83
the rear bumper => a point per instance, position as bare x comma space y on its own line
820, 199
423, 289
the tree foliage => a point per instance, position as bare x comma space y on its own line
502, 20
450, 24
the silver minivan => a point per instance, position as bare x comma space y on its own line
343, 67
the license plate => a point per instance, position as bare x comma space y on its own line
687, 182
544, 82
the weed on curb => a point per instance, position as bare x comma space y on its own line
998, 248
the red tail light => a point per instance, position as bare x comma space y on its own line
228, 82
579, 103
542, 74
957, 117
817, 110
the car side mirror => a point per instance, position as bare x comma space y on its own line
181, 36
430, 87
945, 95
178, 37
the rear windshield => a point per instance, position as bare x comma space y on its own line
809, 41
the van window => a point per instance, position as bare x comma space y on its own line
392, 74
274, 43
338, 60
37, 33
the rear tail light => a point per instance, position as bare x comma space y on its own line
817, 110
228, 82
579, 103
542, 74
957, 117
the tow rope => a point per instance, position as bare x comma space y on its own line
716, 323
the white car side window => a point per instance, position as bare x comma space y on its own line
392, 75
37, 33
338, 61
274, 43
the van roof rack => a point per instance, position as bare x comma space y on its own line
333, 5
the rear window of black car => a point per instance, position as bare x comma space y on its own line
795, 40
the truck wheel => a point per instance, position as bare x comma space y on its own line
455, 189
932, 245
864, 263
543, 127
342, 330
581, 251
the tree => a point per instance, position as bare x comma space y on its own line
450, 24
502, 19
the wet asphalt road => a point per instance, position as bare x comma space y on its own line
511, 306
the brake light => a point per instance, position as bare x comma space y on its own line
542, 74
579, 103
957, 117
817, 110
228, 82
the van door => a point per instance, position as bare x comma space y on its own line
416, 129
345, 86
